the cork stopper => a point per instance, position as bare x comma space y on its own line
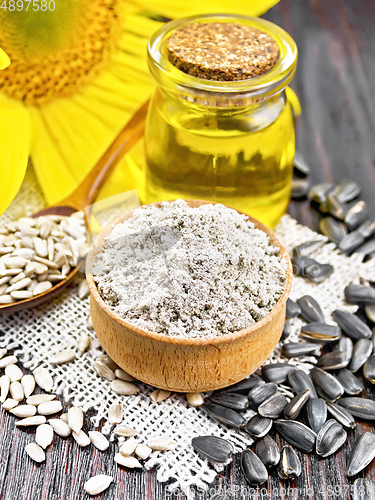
222, 51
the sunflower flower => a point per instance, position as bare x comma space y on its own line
78, 73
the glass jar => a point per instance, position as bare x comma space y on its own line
226, 141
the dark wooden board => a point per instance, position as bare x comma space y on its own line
335, 81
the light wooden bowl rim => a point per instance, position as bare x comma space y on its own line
229, 337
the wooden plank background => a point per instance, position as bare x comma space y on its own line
335, 81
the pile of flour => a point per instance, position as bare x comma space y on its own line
189, 272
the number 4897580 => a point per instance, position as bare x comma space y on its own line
26, 5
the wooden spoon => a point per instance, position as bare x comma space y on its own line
84, 196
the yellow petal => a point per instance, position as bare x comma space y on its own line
182, 8
15, 134
4, 59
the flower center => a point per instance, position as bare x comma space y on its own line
56, 52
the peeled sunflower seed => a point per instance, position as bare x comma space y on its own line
345, 344
342, 415
9, 404
359, 407
300, 381
162, 444
35, 452
160, 395
14, 373
360, 294
195, 398
49, 408
124, 388
128, 447
143, 451
369, 369
24, 411
253, 468
81, 438
63, 357
258, 426
8, 360
277, 372
363, 489
289, 465
292, 309
104, 371
351, 384
115, 413
99, 440
310, 309
227, 416
297, 434
333, 229
268, 451
351, 325
126, 461
122, 375
261, 393
38, 399
4, 387
60, 427
331, 437
316, 413
320, 333
294, 407
44, 379
318, 273
83, 289
124, 431
16, 391
326, 384
232, 400
97, 484
297, 349
44, 435
31, 421
75, 419
333, 360
363, 452
83, 342
28, 385
361, 353
273, 406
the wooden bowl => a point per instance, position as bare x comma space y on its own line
186, 364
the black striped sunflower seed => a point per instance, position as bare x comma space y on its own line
277, 372
320, 333
297, 434
345, 344
352, 326
289, 465
318, 273
360, 295
351, 384
224, 415
351, 241
300, 265
292, 309
310, 309
258, 426
333, 360
300, 381
319, 192
273, 406
367, 248
363, 452
253, 468
361, 353
367, 229
244, 386
369, 369
359, 407
232, 400
301, 168
261, 393
331, 437
213, 448
305, 249
316, 413
343, 416
297, 349
333, 229
327, 386
268, 451
356, 215
294, 407
347, 190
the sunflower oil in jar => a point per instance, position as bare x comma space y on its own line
230, 141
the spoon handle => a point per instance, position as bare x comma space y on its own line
88, 190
